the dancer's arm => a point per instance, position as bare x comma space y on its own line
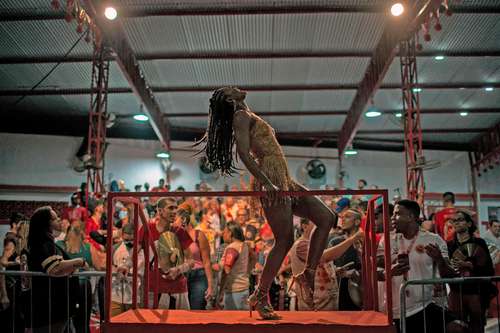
337, 251
241, 127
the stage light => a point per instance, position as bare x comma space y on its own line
398, 115
141, 117
439, 57
163, 154
397, 9
488, 89
350, 151
110, 13
464, 114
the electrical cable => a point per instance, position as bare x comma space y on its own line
50, 72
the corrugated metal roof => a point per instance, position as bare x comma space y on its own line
254, 71
451, 69
390, 99
66, 75
333, 31
466, 31
40, 38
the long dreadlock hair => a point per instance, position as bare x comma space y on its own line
219, 138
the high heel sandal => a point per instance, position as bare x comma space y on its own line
259, 301
304, 287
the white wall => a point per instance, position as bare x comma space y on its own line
46, 160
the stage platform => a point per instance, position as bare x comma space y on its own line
180, 321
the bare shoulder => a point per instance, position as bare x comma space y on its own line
241, 118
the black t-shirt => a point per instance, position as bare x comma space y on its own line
475, 251
51, 298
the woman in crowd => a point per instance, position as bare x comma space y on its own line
76, 248
470, 258
10, 306
200, 276
236, 265
54, 306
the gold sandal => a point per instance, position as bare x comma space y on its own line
259, 301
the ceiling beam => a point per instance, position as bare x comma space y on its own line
395, 30
240, 56
241, 9
336, 113
260, 88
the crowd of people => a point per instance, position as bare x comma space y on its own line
210, 253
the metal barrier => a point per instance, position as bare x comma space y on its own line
21, 300
442, 283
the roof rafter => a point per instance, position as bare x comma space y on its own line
240, 56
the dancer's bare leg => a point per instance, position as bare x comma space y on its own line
279, 217
312, 208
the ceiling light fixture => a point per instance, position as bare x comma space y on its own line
110, 13
399, 115
417, 90
397, 9
488, 89
350, 151
163, 155
439, 57
141, 117
464, 114
373, 112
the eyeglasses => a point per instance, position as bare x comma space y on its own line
459, 219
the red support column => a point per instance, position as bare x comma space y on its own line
413, 132
97, 119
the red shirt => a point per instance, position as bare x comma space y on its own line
179, 285
75, 214
91, 225
440, 220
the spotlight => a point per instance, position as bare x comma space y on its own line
397, 9
110, 13
439, 57
163, 155
488, 89
141, 117
399, 115
464, 114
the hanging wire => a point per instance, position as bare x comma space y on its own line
51, 70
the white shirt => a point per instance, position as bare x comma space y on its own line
491, 240
421, 267
122, 289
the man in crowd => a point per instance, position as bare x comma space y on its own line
492, 238
442, 218
242, 217
415, 254
172, 287
350, 261
75, 214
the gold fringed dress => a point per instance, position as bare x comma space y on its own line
270, 157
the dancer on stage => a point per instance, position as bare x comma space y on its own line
231, 121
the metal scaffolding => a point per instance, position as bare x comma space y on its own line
97, 120
414, 156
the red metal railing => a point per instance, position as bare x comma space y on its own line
369, 255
